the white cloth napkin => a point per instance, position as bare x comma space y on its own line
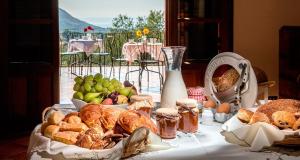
256, 136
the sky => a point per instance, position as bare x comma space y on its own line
101, 12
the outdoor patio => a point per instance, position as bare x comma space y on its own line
67, 81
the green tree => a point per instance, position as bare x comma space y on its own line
122, 23
155, 22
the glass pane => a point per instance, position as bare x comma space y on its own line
200, 8
201, 40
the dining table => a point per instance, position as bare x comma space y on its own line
132, 50
88, 46
206, 143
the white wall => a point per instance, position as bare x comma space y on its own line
256, 31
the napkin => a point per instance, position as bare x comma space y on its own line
256, 136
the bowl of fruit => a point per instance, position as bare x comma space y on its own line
101, 90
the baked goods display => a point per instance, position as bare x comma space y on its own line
141, 103
167, 120
189, 113
225, 79
282, 113
94, 126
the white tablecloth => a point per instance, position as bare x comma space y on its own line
132, 50
82, 45
207, 143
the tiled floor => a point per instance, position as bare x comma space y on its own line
67, 82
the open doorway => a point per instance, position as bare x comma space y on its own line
108, 37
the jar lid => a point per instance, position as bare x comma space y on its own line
187, 102
167, 112
140, 104
141, 97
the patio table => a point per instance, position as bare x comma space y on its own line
131, 50
206, 143
86, 46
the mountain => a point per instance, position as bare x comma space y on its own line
67, 21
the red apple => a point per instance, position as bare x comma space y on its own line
107, 101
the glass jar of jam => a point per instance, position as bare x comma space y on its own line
142, 104
187, 108
167, 122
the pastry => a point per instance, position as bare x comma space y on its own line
68, 137
223, 108
91, 139
70, 115
90, 114
244, 115
79, 127
259, 117
296, 125
51, 130
283, 119
109, 117
56, 117
74, 120
131, 120
288, 105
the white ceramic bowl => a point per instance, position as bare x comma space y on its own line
79, 103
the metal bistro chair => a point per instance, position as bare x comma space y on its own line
117, 57
149, 55
103, 49
72, 57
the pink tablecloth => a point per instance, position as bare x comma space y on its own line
131, 51
82, 45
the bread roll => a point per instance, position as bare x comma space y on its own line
283, 119
109, 117
131, 120
244, 115
51, 130
259, 117
56, 117
79, 127
68, 137
74, 120
90, 114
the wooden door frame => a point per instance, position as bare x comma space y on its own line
56, 58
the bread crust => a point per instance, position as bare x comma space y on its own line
259, 117
296, 125
288, 105
109, 117
244, 115
131, 120
283, 119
